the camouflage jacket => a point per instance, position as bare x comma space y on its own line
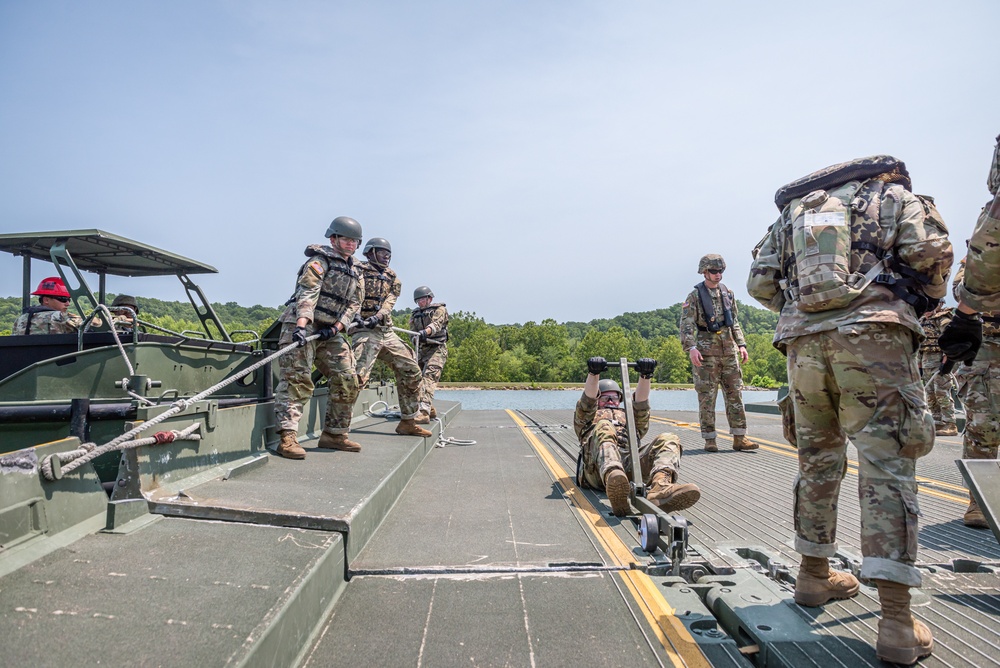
981, 287
916, 240
990, 350
694, 326
587, 415
328, 289
44, 320
933, 323
382, 289
434, 316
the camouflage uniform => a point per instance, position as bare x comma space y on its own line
604, 443
979, 388
433, 351
980, 289
938, 391
45, 320
328, 290
381, 292
852, 373
720, 361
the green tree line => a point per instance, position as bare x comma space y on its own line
519, 353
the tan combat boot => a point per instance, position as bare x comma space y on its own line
289, 447
947, 429
817, 584
617, 486
711, 445
422, 418
901, 638
741, 442
410, 428
974, 516
671, 497
433, 413
338, 442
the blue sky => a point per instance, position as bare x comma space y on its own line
526, 160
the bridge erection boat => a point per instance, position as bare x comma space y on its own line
471, 547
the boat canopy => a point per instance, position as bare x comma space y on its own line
103, 253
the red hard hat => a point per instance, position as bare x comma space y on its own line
52, 286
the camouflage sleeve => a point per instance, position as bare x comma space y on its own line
69, 323
439, 320
766, 272
921, 243
583, 418
980, 287
385, 312
641, 411
689, 322
308, 287
354, 306
737, 330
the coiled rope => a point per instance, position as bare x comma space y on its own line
392, 412
175, 408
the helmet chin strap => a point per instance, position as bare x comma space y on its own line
372, 256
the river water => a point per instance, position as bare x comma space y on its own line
659, 400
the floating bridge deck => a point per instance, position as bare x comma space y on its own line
407, 554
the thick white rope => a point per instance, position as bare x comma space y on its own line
104, 309
181, 404
87, 452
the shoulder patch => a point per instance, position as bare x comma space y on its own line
317, 267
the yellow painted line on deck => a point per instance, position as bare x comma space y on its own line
680, 646
852, 465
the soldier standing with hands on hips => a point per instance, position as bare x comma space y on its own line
712, 337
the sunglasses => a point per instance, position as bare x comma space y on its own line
715, 272
64, 300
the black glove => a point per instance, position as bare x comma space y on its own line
422, 336
370, 323
596, 365
961, 339
299, 336
645, 366
358, 320
325, 333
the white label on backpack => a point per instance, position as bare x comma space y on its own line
826, 219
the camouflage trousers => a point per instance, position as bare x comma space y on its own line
979, 389
714, 371
859, 381
383, 344
432, 359
334, 360
938, 391
602, 453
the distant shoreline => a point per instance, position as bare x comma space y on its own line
570, 386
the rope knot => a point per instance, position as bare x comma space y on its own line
165, 437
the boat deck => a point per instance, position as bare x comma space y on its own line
485, 554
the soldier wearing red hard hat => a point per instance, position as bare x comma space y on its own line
51, 315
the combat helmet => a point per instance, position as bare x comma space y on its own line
126, 300
342, 226
376, 242
381, 244
422, 291
711, 261
52, 286
608, 385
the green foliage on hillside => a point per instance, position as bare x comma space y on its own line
532, 352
